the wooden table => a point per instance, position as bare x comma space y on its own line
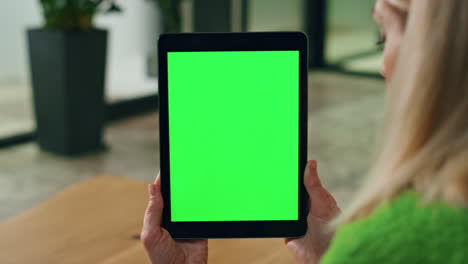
98, 221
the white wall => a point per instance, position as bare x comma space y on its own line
15, 17
133, 35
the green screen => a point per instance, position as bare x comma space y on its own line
233, 135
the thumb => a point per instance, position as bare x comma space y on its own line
153, 214
322, 203
311, 179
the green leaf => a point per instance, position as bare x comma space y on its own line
74, 14
114, 8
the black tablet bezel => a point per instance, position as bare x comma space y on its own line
233, 42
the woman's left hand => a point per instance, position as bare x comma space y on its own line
322, 209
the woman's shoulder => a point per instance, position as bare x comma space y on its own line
405, 230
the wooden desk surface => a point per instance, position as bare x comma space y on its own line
98, 221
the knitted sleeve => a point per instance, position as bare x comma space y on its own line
403, 231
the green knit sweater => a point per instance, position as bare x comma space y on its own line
403, 231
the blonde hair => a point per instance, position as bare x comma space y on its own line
424, 143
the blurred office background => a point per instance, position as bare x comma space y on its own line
349, 38
346, 92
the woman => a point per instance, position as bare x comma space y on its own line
413, 209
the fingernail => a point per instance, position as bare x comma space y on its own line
157, 176
151, 189
313, 164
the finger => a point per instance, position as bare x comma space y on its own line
153, 214
158, 176
321, 202
323, 205
286, 240
311, 179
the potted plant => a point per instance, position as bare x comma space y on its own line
67, 62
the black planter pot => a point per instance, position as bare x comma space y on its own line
67, 72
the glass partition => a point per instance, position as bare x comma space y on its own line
351, 35
275, 15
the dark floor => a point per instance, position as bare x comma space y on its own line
344, 113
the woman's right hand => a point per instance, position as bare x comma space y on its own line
322, 209
158, 243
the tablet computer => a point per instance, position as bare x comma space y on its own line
233, 134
